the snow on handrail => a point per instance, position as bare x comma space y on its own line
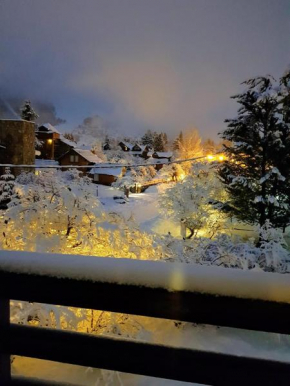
152, 274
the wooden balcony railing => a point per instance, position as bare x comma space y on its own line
24, 280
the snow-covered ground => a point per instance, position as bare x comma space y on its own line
142, 207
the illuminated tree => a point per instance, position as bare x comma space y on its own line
194, 202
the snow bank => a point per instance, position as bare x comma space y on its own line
170, 276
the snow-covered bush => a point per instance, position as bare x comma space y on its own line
7, 187
194, 202
223, 251
59, 212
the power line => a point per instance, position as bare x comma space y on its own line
100, 166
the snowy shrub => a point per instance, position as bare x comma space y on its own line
7, 187
193, 202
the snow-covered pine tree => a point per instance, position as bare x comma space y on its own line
27, 112
158, 143
165, 141
178, 142
148, 138
284, 96
7, 186
257, 171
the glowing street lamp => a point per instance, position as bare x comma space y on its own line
49, 141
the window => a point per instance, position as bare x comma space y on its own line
74, 158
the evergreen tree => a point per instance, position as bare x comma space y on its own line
178, 142
158, 143
7, 186
27, 112
257, 171
165, 141
148, 138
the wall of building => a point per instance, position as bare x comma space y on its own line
104, 179
65, 160
47, 147
19, 139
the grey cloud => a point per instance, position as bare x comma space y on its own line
164, 64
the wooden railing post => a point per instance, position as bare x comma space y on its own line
5, 366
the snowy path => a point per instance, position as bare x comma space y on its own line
142, 207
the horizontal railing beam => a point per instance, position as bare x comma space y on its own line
145, 359
193, 307
27, 381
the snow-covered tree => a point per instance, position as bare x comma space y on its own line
59, 212
148, 138
188, 145
193, 202
256, 173
7, 187
208, 146
173, 172
70, 137
27, 112
159, 142
178, 142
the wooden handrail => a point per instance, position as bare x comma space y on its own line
140, 358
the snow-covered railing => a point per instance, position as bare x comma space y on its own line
212, 295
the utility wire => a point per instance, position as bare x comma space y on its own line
100, 166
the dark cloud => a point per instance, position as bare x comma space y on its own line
165, 64
10, 109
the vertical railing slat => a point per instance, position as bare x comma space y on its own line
5, 366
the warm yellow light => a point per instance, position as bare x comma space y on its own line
49, 141
182, 176
210, 157
221, 158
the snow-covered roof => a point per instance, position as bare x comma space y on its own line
165, 154
154, 161
129, 145
108, 171
67, 141
84, 147
88, 155
50, 128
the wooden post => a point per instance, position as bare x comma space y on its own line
5, 367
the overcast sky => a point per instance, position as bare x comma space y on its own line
158, 64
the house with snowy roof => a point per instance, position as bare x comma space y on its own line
125, 146
135, 150
51, 143
106, 174
161, 158
79, 157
